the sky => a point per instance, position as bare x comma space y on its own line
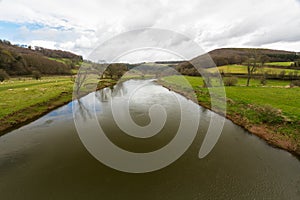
82, 26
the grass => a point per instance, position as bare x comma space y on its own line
284, 99
273, 94
17, 95
23, 99
242, 69
284, 64
273, 106
198, 81
29, 83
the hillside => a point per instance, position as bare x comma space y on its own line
16, 60
229, 56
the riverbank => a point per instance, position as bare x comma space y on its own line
278, 127
24, 102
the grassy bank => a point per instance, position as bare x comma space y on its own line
23, 100
271, 112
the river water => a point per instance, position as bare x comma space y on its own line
47, 160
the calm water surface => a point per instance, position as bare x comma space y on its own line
46, 159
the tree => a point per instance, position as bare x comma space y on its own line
3, 75
296, 64
254, 61
116, 70
80, 80
207, 79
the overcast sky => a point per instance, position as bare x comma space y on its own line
80, 26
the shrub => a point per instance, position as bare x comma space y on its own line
295, 74
295, 83
282, 75
270, 115
263, 80
3, 75
36, 75
230, 81
207, 83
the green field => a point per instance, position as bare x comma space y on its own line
286, 99
198, 81
17, 94
242, 69
284, 64
23, 99
273, 105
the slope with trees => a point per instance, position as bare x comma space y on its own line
16, 60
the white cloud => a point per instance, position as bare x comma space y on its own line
80, 26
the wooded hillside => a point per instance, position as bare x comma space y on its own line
15, 60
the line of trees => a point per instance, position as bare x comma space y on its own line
227, 56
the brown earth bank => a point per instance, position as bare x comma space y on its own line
263, 131
32, 113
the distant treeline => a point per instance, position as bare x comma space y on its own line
229, 56
170, 62
15, 60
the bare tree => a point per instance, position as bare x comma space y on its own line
254, 61
79, 81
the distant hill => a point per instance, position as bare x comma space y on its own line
226, 56
17, 60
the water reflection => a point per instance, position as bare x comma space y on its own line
104, 95
84, 111
46, 159
119, 90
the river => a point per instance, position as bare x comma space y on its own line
47, 160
